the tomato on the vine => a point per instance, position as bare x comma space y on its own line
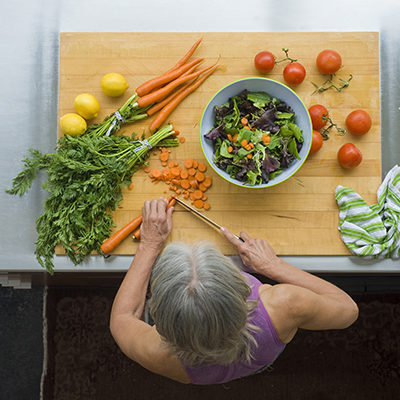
349, 156
264, 62
294, 73
317, 142
329, 61
317, 112
358, 122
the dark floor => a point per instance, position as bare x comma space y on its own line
21, 332
21, 343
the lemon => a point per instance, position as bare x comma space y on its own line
72, 124
86, 105
114, 84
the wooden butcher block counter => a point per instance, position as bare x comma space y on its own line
299, 216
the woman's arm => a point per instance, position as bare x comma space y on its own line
312, 302
138, 340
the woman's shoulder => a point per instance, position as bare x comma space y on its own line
276, 300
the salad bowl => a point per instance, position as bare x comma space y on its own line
271, 161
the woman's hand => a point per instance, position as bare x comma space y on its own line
156, 225
256, 254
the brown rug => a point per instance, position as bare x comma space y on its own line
362, 362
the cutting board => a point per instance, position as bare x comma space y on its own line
299, 216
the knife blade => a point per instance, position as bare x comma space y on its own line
202, 216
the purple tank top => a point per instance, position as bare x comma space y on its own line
269, 348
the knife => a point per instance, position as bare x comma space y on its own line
203, 217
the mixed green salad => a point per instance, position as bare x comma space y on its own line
255, 137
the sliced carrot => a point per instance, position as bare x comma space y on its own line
176, 182
243, 142
130, 187
244, 121
207, 181
246, 127
199, 203
192, 197
207, 206
188, 163
182, 139
230, 149
147, 169
203, 187
184, 174
185, 184
156, 173
179, 191
199, 177
175, 172
186, 196
171, 164
164, 156
235, 138
202, 167
194, 184
204, 197
195, 164
249, 156
229, 136
192, 172
197, 194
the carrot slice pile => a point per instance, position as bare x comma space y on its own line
188, 179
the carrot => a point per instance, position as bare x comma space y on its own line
184, 174
160, 94
197, 194
171, 203
202, 187
130, 187
202, 167
182, 139
147, 169
244, 120
230, 149
154, 83
207, 181
156, 173
185, 184
164, 113
195, 164
207, 206
112, 242
176, 182
157, 107
194, 184
249, 156
188, 163
246, 127
186, 56
164, 156
199, 203
199, 177
175, 172
235, 138
192, 172
243, 142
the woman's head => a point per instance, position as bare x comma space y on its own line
199, 304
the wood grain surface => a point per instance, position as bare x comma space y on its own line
299, 216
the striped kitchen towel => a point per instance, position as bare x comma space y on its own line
372, 231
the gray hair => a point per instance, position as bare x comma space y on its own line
199, 305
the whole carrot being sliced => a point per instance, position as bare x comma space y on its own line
112, 242
171, 203
164, 113
154, 83
160, 94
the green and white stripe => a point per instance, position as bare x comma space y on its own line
372, 231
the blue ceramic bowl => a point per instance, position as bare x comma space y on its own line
274, 89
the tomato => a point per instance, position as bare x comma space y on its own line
294, 73
317, 142
316, 112
349, 156
329, 61
358, 122
264, 62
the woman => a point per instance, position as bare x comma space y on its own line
214, 323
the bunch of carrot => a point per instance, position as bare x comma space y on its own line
163, 93
188, 180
